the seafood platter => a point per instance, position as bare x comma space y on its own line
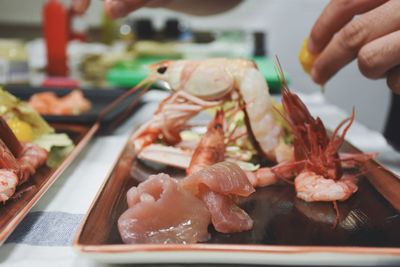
261, 180
33, 154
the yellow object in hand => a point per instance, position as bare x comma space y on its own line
306, 58
22, 130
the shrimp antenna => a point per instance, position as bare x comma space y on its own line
129, 109
145, 84
349, 122
281, 74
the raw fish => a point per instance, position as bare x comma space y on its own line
160, 211
225, 178
215, 185
226, 216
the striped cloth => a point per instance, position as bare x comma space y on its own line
44, 237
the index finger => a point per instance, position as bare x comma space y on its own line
121, 8
80, 6
336, 15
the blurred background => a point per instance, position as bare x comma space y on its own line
106, 53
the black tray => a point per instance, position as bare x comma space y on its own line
99, 99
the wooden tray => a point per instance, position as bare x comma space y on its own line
286, 229
13, 211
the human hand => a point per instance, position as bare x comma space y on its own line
117, 8
368, 30
121, 8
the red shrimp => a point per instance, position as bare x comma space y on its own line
211, 148
17, 161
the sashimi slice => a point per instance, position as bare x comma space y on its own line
225, 178
48, 103
43, 102
226, 216
160, 211
74, 103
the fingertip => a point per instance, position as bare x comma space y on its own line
121, 8
115, 9
316, 77
393, 80
79, 7
312, 47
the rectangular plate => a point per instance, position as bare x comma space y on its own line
286, 230
14, 210
99, 98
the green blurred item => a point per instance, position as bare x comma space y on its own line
130, 73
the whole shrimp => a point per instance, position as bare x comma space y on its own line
320, 176
219, 78
17, 161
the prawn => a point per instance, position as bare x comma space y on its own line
17, 161
321, 177
218, 79
211, 148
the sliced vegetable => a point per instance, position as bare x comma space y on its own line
13, 108
57, 155
48, 141
244, 165
22, 130
29, 126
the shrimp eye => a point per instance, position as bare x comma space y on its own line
162, 69
217, 126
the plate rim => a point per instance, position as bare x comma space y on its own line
15, 221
